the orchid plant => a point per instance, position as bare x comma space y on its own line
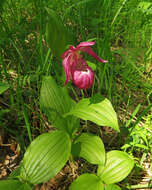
49, 152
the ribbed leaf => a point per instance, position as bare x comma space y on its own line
14, 185
118, 166
15, 173
55, 101
112, 187
56, 34
87, 182
98, 110
92, 148
54, 97
3, 87
45, 157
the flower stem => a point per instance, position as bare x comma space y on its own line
82, 93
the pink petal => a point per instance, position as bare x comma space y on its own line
89, 51
85, 44
69, 51
83, 79
66, 65
65, 54
72, 48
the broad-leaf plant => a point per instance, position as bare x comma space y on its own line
49, 152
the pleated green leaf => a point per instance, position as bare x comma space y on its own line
3, 87
56, 34
98, 110
53, 97
55, 102
45, 157
112, 187
92, 148
87, 182
14, 185
118, 166
15, 173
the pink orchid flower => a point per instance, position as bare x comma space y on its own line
75, 66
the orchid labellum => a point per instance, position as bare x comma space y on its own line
75, 66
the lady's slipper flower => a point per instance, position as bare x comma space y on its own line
75, 66
83, 78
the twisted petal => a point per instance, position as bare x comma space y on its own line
89, 51
85, 44
66, 65
66, 53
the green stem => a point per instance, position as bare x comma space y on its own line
27, 121
82, 93
75, 94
